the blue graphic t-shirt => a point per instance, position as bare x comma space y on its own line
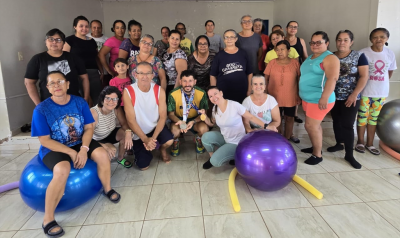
349, 76
64, 123
231, 71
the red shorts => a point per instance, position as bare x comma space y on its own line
312, 110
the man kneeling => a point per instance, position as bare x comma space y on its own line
146, 112
187, 106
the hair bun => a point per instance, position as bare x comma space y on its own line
112, 29
386, 43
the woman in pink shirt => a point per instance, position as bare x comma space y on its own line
111, 46
282, 75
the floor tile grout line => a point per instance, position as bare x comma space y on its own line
201, 204
382, 216
333, 230
97, 200
147, 207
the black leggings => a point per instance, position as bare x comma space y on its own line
343, 121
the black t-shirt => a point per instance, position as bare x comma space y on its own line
84, 49
231, 71
41, 64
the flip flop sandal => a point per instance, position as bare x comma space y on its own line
360, 148
50, 226
124, 162
110, 194
373, 150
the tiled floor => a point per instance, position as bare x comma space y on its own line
181, 199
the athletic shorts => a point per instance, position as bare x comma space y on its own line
111, 138
288, 111
369, 110
312, 110
52, 158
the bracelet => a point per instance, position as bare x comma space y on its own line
128, 130
84, 146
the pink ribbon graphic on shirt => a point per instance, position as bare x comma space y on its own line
379, 69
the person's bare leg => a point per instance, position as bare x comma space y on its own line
121, 138
314, 130
55, 191
361, 134
175, 130
289, 123
99, 155
164, 153
370, 134
201, 128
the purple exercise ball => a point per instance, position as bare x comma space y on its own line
266, 160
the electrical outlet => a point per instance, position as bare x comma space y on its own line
20, 56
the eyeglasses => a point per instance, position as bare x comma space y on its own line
246, 22
317, 43
144, 74
204, 44
111, 99
59, 82
293, 27
146, 43
51, 39
229, 37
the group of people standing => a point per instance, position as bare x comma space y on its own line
136, 86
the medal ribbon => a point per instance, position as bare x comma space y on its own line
188, 102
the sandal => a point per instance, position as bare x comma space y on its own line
294, 139
360, 148
124, 162
50, 226
373, 150
110, 194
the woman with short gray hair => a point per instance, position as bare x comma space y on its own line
145, 44
250, 42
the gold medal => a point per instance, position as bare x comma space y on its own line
203, 117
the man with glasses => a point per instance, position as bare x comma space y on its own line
186, 44
187, 106
146, 112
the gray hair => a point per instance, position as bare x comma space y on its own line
241, 19
258, 76
147, 36
230, 30
257, 20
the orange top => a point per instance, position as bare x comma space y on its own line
283, 84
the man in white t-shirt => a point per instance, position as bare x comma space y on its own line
146, 112
97, 34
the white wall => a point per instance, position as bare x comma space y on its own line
23, 25
4, 123
329, 16
389, 17
154, 15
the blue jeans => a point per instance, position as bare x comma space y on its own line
225, 152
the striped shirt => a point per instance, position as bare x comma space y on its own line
105, 124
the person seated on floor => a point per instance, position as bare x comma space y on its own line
146, 112
64, 125
228, 115
106, 132
187, 105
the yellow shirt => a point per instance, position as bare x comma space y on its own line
272, 55
186, 45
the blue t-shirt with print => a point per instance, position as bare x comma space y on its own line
64, 123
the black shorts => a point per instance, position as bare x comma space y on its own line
111, 138
143, 157
288, 111
52, 158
